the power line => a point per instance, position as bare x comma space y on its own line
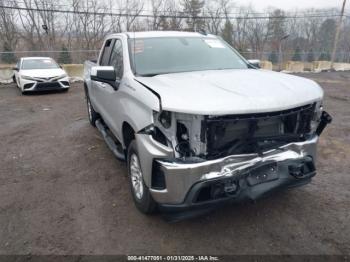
49, 51
317, 12
180, 15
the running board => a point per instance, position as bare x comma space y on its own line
113, 146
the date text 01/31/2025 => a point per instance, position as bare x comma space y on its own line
173, 258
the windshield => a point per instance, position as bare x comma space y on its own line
28, 64
152, 56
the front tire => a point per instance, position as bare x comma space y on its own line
92, 114
15, 80
140, 192
22, 91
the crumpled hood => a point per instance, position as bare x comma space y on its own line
240, 91
43, 73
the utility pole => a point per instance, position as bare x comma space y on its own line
280, 53
336, 39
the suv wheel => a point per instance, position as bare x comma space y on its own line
93, 115
140, 192
15, 80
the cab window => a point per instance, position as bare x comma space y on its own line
117, 58
106, 52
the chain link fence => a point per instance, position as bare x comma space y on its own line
62, 56
274, 57
79, 56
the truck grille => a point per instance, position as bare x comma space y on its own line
251, 133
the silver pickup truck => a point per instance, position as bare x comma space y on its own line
197, 124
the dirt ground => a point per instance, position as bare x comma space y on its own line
63, 192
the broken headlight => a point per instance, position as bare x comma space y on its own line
165, 119
183, 147
316, 117
156, 134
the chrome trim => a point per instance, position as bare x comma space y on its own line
180, 176
148, 150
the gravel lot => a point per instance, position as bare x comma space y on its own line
63, 192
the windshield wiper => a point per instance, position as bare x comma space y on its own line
149, 75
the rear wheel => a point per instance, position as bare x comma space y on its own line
93, 115
140, 192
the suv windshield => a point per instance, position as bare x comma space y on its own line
153, 56
28, 64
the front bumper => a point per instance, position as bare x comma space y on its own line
32, 85
249, 185
237, 177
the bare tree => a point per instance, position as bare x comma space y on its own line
258, 33
216, 11
89, 23
193, 9
130, 9
157, 8
8, 33
176, 21
345, 41
49, 21
240, 27
40, 27
310, 29
31, 26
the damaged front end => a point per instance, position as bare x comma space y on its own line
195, 160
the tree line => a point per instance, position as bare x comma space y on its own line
37, 25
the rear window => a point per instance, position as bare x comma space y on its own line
29, 64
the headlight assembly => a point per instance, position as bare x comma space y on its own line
165, 119
61, 76
27, 78
316, 117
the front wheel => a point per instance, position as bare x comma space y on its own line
93, 115
16, 82
140, 192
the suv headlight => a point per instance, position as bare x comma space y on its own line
27, 78
61, 76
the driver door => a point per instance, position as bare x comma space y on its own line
110, 96
98, 88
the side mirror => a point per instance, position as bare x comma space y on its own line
255, 63
105, 74
15, 69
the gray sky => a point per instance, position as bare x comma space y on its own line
292, 4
